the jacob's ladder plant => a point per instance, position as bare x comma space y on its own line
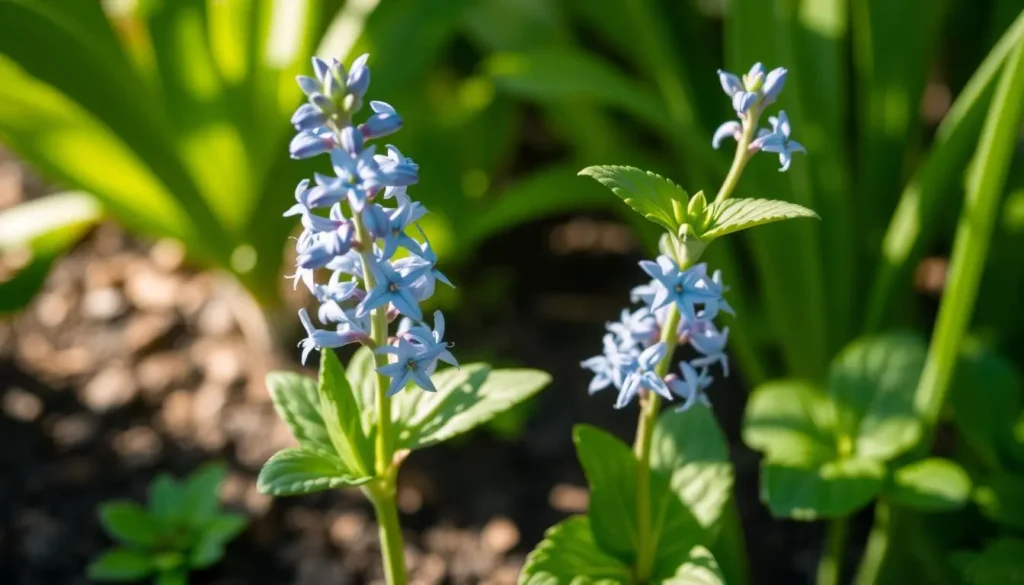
656, 510
355, 426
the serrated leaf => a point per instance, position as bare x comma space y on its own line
650, 195
297, 402
1001, 499
691, 450
466, 398
829, 489
872, 384
129, 523
733, 215
700, 568
341, 416
569, 555
120, 564
295, 471
201, 493
930, 485
999, 564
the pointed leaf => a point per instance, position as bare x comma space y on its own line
215, 535
872, 384
569, 555
830, 489
341, 416
733, 215
465, 399
998, 564
790, 420
1001, 499
930, 485
166, 497
201, 493
700, 568
361, 374
650, 195
120, 564
295, 471
298, 404
691, 450
129, 523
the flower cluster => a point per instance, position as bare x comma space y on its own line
350, 233
633, 348
750, 96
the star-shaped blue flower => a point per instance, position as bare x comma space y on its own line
412, 363
392, 287
777, 140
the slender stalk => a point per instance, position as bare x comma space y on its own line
642, 449
391, 547
739, 160
877, 548
830, 567
986, 181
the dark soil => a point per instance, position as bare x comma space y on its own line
130, 364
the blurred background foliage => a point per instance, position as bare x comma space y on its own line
174, 116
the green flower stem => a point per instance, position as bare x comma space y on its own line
877, 547
741, 157
985, 183
642, 448
382, 491
830, 567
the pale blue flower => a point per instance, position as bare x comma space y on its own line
710, 342
729, 129
639, 374
431, 340
308, 117
412, 363
395, 225
691, 386
777, 140
773, 83
742, 99
685, 288
384, 121
637, 328
309, 143
322, 339
393, 287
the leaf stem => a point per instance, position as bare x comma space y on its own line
830, 567
985, 183
877, 547
741, 157
642, 448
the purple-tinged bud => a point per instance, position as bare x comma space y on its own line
730, 83
308, 85
323, 103
308, 117
359, 77
307, 144
385, 121
773, 83
320, 68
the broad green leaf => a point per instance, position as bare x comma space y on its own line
1001, 499
166, 498
998, 564
224, 527
340, 413
166, 561
930, 485
569, 555
986, 397
202, 493
691, 450
361, 374
650, 195
42, 229
733, 215
872, 384
610, 468
120, 564
298, 403
700, 568
130, 524
466, 398
175, 577
791, 420
294, 472
829, 489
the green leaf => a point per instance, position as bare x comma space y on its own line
569, 555
650, 195
341, 416
361, 374
700, 568
733, 215
298, 403
1001, 499
829, 489
465, 399
167, 561
210, 546
691, 450
790, 420
43, 229
129, 523
202, 493
930, 485
986, 398
119, 564
295, 471
998, 564
872, 384
166, 498
175, 577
